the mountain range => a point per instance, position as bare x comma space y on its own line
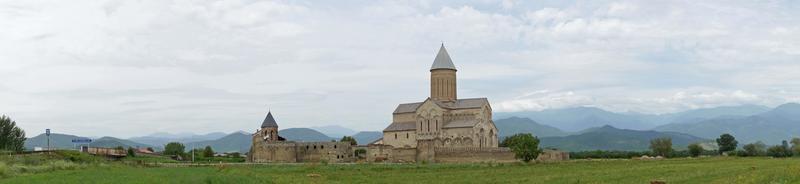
580, 128
610, 138
580, 118
773, 126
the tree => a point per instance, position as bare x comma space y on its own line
695, 149
174, 148
12, 138
754, 149
726, 142
131, 152
208, 152
796, 145
349, 139
661, 146
524, 145
235, 155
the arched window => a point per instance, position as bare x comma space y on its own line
406, 135
437, 125
322, 147
429, 125
315, 146
334, 146
395, 135
307, 147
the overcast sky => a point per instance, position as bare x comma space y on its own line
127, 68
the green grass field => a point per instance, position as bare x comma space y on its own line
687, 170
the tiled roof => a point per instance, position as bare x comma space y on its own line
269, 121
401, 126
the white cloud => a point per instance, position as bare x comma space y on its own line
202, 63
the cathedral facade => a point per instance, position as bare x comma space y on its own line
441, 124
443, 118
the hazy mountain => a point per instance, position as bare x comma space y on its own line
64, 141
579, 118
60, 141
770, 127
303, 134
111, 142
610, 138
160, 139
234, 142
335, 131
514, 125
366, 137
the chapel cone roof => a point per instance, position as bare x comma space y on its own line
443, 60
269, 121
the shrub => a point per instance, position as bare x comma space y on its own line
779, 151
524, 146
753, 149
349, 139
695, 149
661, 146
4, 171
174, 148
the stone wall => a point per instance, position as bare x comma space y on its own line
263, 151
553, 155
327, 151
463, 155
402, 155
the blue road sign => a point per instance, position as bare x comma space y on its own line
47, 131
81, 140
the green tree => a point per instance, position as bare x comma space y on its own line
661, 146
755, 149
726, 142
174, 148
349, 139
236, 155
208, 152
524, 145
796, 145
779, 151
12, 138
131, 152
695, 149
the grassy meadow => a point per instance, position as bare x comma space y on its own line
681, 170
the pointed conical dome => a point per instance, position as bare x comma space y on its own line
269, 121
443, 60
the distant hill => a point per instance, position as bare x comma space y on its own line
303, 134
60, 141
610, 138
160, 139
366, 137
514, 125
780, 123
580, 118
234, 142
64, 141
111, 142
335, 131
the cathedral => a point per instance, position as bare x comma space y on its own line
442, 120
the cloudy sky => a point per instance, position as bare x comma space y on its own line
126, 68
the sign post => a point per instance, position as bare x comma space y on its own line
47, 132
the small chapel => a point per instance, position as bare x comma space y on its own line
442, 117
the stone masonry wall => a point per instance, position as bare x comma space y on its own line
465, 155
